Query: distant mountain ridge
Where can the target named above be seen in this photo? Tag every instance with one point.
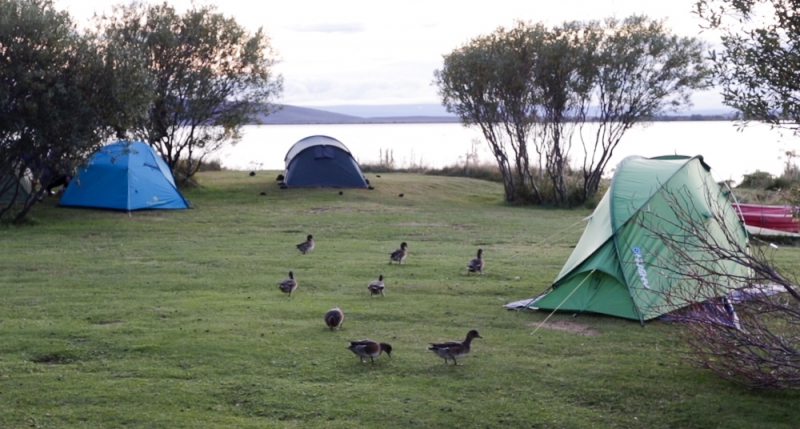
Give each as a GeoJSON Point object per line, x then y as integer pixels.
{"type": "Point", "coordinates": [418, 114]}
{"type": "Point", "coordinates": [304, 115]}
{"type": "Point", "coordinates": [389, 110]}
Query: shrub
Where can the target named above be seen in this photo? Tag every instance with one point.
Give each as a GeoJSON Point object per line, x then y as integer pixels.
{"type": "Point", "coordinates": [482, 172]}
{"type": "Point", "coordinates": [781, 182]}
{"type": "Point", "coordinates": [757, 180]}
{"type": "Point", "coordinates": [183, 165]}
{"type": "Point", "coordinates": [211, 165]}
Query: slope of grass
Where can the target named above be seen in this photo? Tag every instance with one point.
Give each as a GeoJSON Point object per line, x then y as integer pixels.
{"type": "Point", "coordinates": [174, 320]}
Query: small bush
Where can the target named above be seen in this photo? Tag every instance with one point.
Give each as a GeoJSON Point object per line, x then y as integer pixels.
{"type": "Point", "coordinates": [574, 182]}
{"type": "Point", "coordinates": [594, 200]}
{"type": "Point", "coordinates": [376, 168]}
{"type": "Point", "coordinates": [757, 180]}
{"type": "Point", "coordinates": [211, 165]}
{"type": "Point", "coordinates": [781, 182]}
{"type": "Point", "coordinates": [180, 170]}
{"type": "Point", "coordinates": [482, 172]}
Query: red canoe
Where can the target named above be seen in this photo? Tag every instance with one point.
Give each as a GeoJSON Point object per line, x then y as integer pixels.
{"type": "Point", "coordinates": [780, 218]}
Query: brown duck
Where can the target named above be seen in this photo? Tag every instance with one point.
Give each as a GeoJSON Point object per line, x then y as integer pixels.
{"type": "Point", "coordinates": [288, 285]}
{"type": "Point", "coordinates": [399, 254]}
{"type": "Point", "coordinates": [454, 349]}
{"type": "Point", "coordinates": [476, 265]}
{"type": "Point", "coordinates": [307, 245]}
{"type": "Point", "coordinates": [369, 349]}
{"type": "Point", "coordinates": [376, 287]}
{"type": "Point", "coordinates": [334, 318]}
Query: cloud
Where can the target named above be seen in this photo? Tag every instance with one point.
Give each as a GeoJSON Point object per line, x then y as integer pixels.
{"type": "Point", "coordinates": [331, 27]}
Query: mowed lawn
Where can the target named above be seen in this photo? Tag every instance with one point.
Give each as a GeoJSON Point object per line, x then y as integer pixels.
{"type": "Point", "coordinates": [173, 319]}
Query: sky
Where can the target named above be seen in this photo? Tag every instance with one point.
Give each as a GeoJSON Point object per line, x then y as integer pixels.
{"type": "Point", "coordinates": [353, 52]}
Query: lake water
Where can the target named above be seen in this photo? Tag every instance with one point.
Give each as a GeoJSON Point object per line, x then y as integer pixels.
{"type": "Point", "coordinates": [730, 153]}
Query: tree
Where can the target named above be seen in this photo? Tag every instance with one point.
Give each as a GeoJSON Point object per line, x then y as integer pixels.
{"type": "Point", "coordinates": [758, 66]}
{"type": "Point", "coordinates": [538, 86]}
{"type": "Point", "coordinates": [641, 71]}
{"type": "Point", "coordinates": [487, 82]}
{"type": "Point", "coordinates": [761, 348]}
{"type": "Point", "coordinates": [210, 77]}
{"type": "Point", "coordinates": [564, 76]}
{"type": "Point", "coordinates": [61, 96]}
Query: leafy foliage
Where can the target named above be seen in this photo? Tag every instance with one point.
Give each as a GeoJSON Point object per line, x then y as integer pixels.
{"type": "Point", "coordinates": [757, 67]}
{"type": "Point", "coordinates": [487, 82]}
{"type": "Point", "coordinates": [533, 86]}
{"type": "Point", "coordinates": [210, 77]}
{"type": "Point", "coordinates": [757, 180]}
{"type": "Point", "coordinates": [642, 71]}
{"type": "Point", "coordinates": [61, 95]}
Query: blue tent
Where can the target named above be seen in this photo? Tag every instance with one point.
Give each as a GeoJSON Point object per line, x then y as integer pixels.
{"type": "Point", "coordinates": [322, 161]}
{"type": "Point", "coordinates": [124, 176]}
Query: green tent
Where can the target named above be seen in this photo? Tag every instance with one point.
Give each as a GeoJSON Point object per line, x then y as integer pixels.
{"type": "Point", "coordinates": [619, 267]}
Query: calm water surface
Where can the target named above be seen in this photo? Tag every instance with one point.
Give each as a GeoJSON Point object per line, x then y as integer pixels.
{"type": "Point", "coordinates": [729, 152]}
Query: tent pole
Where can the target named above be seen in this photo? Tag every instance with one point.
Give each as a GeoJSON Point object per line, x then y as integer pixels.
{"type": "Point", "coordinates": [562, 302]}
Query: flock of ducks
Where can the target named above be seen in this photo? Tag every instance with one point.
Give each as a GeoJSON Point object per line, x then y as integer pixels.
{"type": "Point", "coordinates": [366, 348]}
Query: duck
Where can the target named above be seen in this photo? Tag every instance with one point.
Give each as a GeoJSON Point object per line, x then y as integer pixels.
{"type": "Point", "coordinates": [454, 349]}
{"type": "Point", "coordinates": [376, 287]}
{"type": "Point", "coordinates": [288, 285]}
{"type": "Point", "coordinates": [307, 245]}
{"type": "Point", "coordinates": [399, 254]}
{"type": "Point", "coordinates": [368, 348]}
{"type": "Point", "coordinates": [476, 264]}
{"type": "Point", "coordinates": [334, 318]}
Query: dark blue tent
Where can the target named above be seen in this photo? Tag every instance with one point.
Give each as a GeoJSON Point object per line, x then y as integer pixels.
{"type": "Point", "coordinates": [321, 161]}
{"type": "Point", "coordinates": [124, 176]}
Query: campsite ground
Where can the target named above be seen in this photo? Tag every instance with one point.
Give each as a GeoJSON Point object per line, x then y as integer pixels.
{"type": "Point", "coordinates": [173, 319]}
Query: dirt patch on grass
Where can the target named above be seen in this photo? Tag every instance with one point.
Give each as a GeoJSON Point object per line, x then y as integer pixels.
{"type": "Point", "coordinates": [569, 326]}
{"type": "Point", "coordinates": [53, 358]}
{"type": "Point", "coordinates": [460, 226]}
{"type": "Point", "coordinates": [107, 322]}
{"type": "Point", "coordinates": [456, 226]}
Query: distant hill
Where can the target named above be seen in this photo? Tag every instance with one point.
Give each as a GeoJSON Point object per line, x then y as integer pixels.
{"type": "Point", "coordinates": [420, 114]}
{"type": "Point", "coordinates": [389, 110]}
{"type": "Point", "coordinates": [303, 115]}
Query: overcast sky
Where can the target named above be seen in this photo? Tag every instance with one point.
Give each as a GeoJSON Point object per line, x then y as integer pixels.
{"type": "Point", "coordinates": [385, 52]}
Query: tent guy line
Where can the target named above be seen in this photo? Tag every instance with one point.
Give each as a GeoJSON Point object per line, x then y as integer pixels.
{"type": "Point", "coordinates": [559, 305]}
{"type": "Point", "coordinates": [547, 240]}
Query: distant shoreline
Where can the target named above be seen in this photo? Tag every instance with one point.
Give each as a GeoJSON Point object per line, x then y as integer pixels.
{"type": "Point", "coordinates": [435, 120]}
{"type": "Point", "coordinates": [295, 115]}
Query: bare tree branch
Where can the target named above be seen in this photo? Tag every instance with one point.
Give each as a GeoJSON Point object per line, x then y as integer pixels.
{"type": "Point", "coordinates": [764, 352]}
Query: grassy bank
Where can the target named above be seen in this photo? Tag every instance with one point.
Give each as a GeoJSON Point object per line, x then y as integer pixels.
{"type": "Point", "coordinates": [174, 320]}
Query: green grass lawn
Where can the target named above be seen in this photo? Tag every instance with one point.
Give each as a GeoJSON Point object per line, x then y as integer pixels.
{"type": "Point", "coordinates": [173, 319]}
